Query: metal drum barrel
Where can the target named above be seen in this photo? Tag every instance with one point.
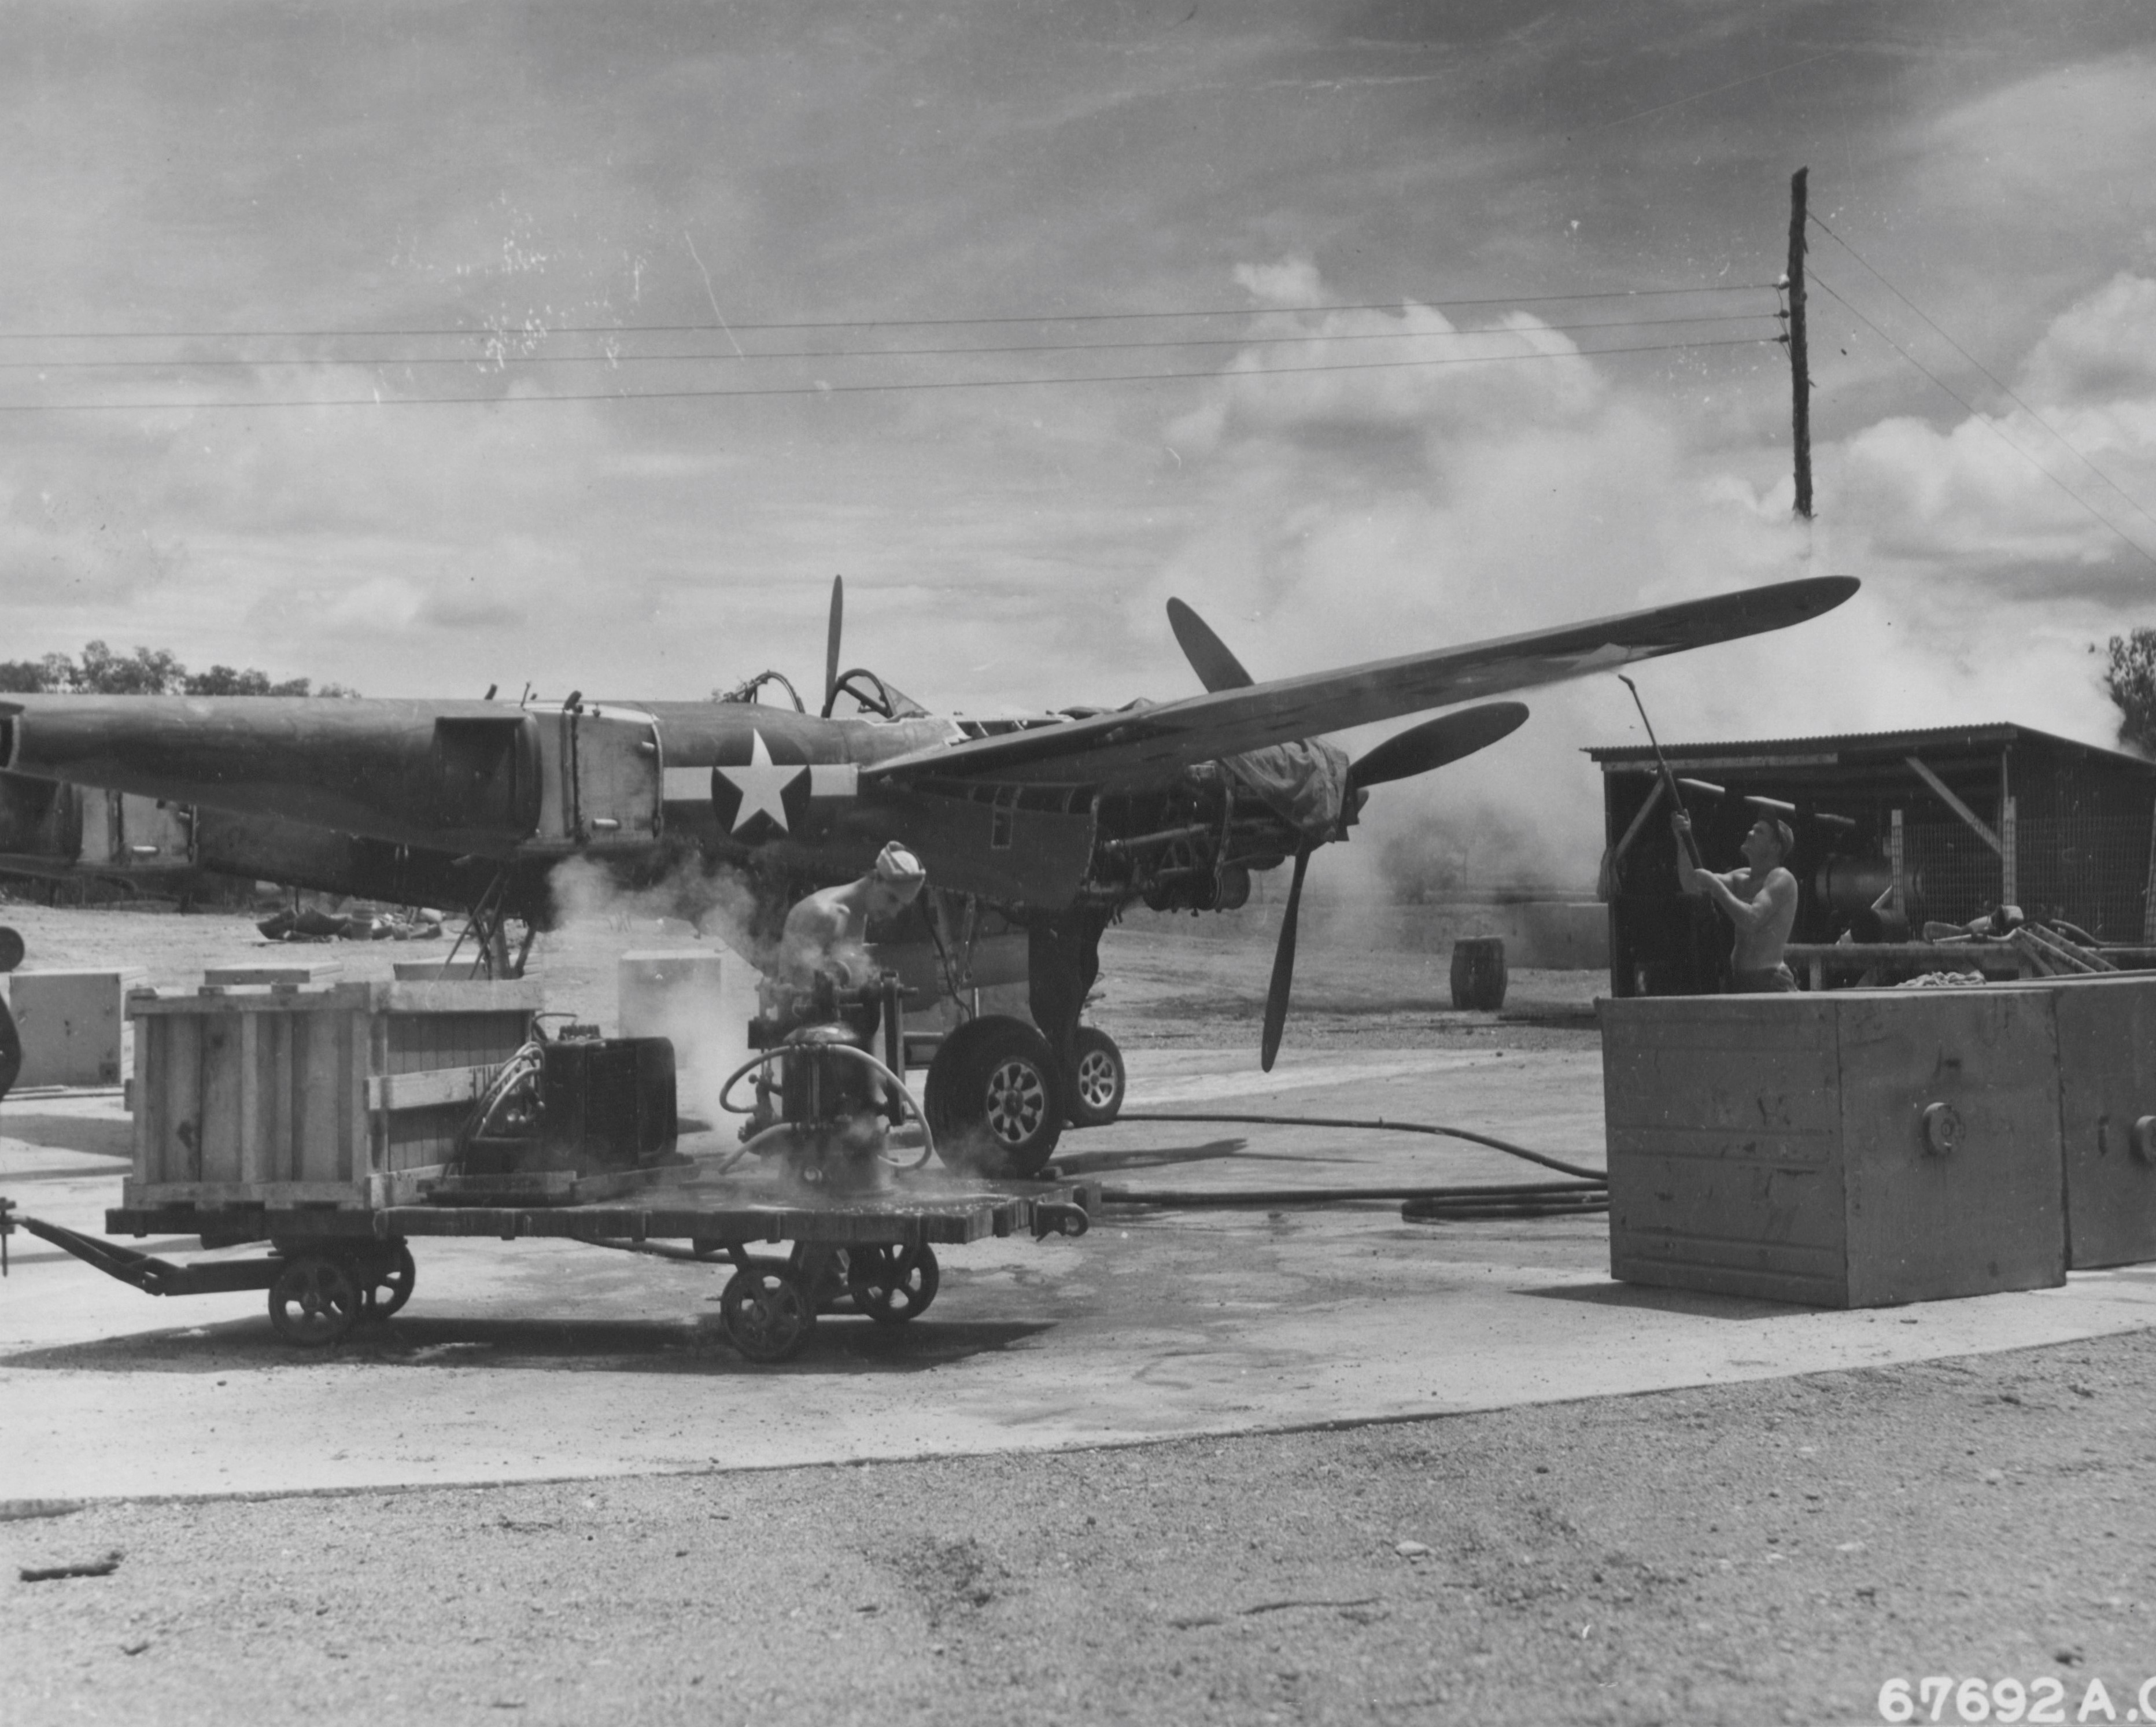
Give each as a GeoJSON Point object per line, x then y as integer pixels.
{"type": "Point", "coordinates": [1478, 973]}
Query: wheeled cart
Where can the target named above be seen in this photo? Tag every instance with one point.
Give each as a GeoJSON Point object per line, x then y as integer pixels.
{"type": "Point", "coordinates": [330, 1268]}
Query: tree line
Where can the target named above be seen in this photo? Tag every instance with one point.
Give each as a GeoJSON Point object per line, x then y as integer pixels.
{"type": "Point", "coordinates": [2130, 681]}
{"type": "Point", "coordinates": [146, 672]}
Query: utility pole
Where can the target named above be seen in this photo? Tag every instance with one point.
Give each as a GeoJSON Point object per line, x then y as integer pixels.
{"type": "Point", "coordinates": [1800, 383]}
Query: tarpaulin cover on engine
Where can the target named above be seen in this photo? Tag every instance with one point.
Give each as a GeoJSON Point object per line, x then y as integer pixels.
{"type": "Point", "coordinates": [1305, 782]}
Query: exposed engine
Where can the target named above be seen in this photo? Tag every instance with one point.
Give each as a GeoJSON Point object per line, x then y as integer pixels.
{"type": "Point", "coordinates": [1201, 840]}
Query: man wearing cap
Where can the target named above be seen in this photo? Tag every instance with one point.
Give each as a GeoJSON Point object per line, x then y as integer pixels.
{"type": "Point", "coordinates": [826, 933]}
{"type": "Point", "coordinates": [1760, 900]}
{"type": "Point", "coordinates": [826, 936]}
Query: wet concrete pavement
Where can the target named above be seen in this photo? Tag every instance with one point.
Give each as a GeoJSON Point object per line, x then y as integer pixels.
{"type": "Point", "coordinates": [537, 1360]}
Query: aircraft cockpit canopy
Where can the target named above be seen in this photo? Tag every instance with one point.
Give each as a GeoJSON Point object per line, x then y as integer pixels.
{"type": "Point", "coordinates": [872, 695]}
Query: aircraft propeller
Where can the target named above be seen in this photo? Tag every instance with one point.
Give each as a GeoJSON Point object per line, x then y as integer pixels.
{"type": "Point", "coordinates": [1210, 657]}
{"type": "Point", "coordinates": [1432, 744]}
{"type": "Point", "coordinates": [831, 645]}
{"type": "Point", "coordinates": [1417, 750]}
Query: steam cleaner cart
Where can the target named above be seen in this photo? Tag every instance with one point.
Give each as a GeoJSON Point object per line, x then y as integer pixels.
{"type": "Point", "coordinates": [338, 1125]}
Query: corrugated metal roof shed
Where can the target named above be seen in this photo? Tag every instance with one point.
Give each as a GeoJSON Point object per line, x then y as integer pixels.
{"type": "Point", "coordinates": [1957, 818]}
{"type": "Point", "coordinates": [1867, 745]}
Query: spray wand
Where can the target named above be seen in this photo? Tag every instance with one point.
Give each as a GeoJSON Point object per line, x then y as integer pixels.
{"type": "Point", "coordinates": [1669, 779]}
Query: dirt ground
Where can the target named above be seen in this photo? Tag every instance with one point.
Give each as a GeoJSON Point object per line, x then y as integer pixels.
{"type": "Point", "coordinates": [1773, 1551]}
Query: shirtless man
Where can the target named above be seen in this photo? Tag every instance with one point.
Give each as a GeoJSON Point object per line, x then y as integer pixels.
{"type": "Point", "coordinates": [826, 936]}
{"type": "Point", "coordinates": [826, 933]}
{"type": "Point", "coordinates": [1760, 899]}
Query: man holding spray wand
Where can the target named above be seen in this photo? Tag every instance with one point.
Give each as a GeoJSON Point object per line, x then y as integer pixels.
{"type": "Point", "coordinates": [1760, 900]}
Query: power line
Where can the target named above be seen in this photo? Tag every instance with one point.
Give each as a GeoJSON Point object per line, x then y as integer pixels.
{"type": "Point", "coordinates": [1235, 311]}
{"type": "Point", "coordinates": [1980, 420]}
{"type": "Point", "coordinates": [189, 364]}
{"type": "Point", "coordinates": [1996, 380]}
{"type": "Point", "coordinates": [850, 390]}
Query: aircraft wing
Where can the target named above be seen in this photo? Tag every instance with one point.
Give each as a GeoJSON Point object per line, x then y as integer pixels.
{"type": "Point", "coordinates": [1143, 744]}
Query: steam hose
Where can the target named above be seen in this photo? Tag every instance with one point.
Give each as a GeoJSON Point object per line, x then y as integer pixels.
{"type": "Point", "coordinates": [1589, 1192]}
{"type": "Point", "coordinates": [764, 1058]}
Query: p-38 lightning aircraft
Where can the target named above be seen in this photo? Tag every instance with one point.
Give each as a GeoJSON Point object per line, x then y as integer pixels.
{"type": "Point", "coordinates": [1056, 821]}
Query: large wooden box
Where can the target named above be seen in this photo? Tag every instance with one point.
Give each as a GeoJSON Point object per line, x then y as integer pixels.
{"type": "Point", "coordinates": [2106, 1091]}
{"type": "Point", "coordinates": [1856, 1148]}
{"type": "Point", "coordinates": [72, 1024]}
{"type": "Point", "coordinates": [348, 1095]}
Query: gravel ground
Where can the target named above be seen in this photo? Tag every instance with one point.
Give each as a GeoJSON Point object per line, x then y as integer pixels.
{"type": "Point", "coordinates": [1770, 1552]}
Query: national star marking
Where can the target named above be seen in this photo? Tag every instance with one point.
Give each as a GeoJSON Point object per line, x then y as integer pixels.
{"type": "Point", "coordinates": [762, 785]}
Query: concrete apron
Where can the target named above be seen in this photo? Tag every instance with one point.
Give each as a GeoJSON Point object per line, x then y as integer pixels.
{"type": "Point", "coordinates": [539, 1359]}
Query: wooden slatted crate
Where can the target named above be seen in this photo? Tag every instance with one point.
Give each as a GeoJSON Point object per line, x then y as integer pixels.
{"type": "Point", "coordinates": [349, 1096]}
{"type": "Point", "coordinates": [1857, 1148]}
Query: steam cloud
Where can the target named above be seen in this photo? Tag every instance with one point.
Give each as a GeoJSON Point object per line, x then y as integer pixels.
{"type": "Point", "coordinates": [1358, 514]}
{"type": "Point", "coordinates": [601, 920]}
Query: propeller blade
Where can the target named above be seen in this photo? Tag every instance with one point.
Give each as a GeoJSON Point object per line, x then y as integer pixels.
{"type": "Point", "coordinates": [1434, 743]}
{"type": "Point", "coordinates": [1283, 965]}
{"type": "Point", "coordinates": [831, 643]}
{"type": "Point", "coordinates": [1216, 668]}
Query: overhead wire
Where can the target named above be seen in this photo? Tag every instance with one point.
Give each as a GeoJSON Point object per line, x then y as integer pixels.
{"type": "Point", "coordinates": [192, 364]}
{"type": "Point", "coordinates": [825, 389]}
{"type": "Point", "coordinates": [1981, 418]}
{"type": "Point", "coordinates": [1236, 312]}
{"type": "Point", "coordinates": [1998, 382]}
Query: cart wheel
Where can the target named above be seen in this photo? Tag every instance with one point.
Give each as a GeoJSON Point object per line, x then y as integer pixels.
{"type": "Point", "coordinates": [820, 1273]}
{"type": "Point", "coordinates": [390, 1286]}
{"type": "Point", "coordinates": [892, 1285]}
{"type": "Point", "coordinates": [766, 1316]}
{"type": "Point", "coordinates": [313, 1302]}
{"type": "Point", "coordinates": [996, 1107]}
{"type": "Point", "coordinates": [1096, 1084]}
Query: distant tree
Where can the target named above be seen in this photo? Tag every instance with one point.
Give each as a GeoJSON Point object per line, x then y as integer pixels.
{"type": "Point", "coordinates": [2130, 681]}
{"type": "Point", "coordinates": [30, 677]}
{"type": "Point", "coordinates": [147, 672]}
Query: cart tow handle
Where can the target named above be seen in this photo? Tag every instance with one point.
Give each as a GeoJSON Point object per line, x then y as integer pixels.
{"type": "Point", "coordinates": [147, 1272]}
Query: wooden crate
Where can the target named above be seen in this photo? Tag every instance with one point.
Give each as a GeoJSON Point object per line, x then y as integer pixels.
{"type": "Point", "coordinates": [2107, 1089]}
{"type": "Point", "coordinates": [1856, 1148]}
{"type": "Point", "coordinates": [348, 1095]}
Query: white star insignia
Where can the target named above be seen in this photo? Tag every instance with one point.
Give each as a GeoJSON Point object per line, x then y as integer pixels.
{"type": "Point", "coordinates": [762, 784]}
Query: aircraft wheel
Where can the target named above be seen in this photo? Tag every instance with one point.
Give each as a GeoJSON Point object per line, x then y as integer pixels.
{"type": "Point", "coordinates": [892, 1285]}
{"type": "Point", "coordinates": [313, 1302]}
{"type": "Point", "coordinates": [388, 1286]}
{"type": "Point", "coordinates": [997, 1109]}
{"type": "Point", "coordinates": [1096, 1083]}
{"type": "Point", "coordinates": [767, 1313]}
{"type": "Point", "coordinates": [10, 949]}
{"type": "Point", "coordinates": [939, 1090]}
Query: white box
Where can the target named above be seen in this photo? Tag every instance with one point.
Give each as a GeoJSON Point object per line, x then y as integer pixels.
{"type": "Point", "coordinates": [73, 1024]}
{"type": "Point", "coordinates": [679, 993]}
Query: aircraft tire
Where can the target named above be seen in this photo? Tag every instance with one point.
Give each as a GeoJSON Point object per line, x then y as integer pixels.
{"type": "Point", "coordinates": [995, 1099]}
{"type": "Point", "coordinates": [1096, 1079]}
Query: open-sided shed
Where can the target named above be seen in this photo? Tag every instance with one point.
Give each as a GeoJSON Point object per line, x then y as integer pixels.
{"type": "Point", "coordinates": [1955, 819]}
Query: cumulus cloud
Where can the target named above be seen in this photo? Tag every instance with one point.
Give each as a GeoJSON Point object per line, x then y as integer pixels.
{"type": "Point", "coordinates": [1355, 515]}
{"type": "Point", "coordinates": [2014, 497]}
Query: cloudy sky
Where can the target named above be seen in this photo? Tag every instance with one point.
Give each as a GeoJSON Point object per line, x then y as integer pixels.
{"type": "Point", "coordinates": [423, 347]}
